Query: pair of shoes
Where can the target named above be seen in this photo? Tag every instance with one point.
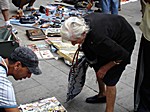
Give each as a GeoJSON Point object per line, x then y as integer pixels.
{"type": "Point", "coordinates": [30, 8]}
{"type": "Point", "coordinates": [96, 99]}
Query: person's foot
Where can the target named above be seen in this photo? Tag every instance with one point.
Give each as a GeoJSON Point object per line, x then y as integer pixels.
{"type": "Point", "coordinates": [14, 30]}
{"type": "Point", "coordinates": [30, 8]}
{"type": "Point", "coordinates": [138, 23]}
{"type": "Point", "coordinates": [20, 12]}
{"type": "Point", "coordinates": [96, 99]}
{"type": "Point", "coordinates": [119, 9]}
{"type": "Point", "coordinates": [98, 10]}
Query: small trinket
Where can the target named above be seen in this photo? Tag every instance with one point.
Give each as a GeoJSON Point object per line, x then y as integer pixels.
{"type": "Point", "coordinates": [47, 12]}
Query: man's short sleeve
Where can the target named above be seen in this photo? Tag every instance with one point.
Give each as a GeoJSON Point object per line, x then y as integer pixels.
{"type": "Point", "coordinates": [7, 96]}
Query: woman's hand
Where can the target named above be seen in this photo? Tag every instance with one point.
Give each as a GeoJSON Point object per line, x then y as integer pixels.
{"type": "Point", "coordinates": [104, 69]}
{"type": "Point", "coordinates": [101, 72]}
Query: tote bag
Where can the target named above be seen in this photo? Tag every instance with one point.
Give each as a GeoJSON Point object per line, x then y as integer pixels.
{"type": "Point", "coordinates": [77, 76]}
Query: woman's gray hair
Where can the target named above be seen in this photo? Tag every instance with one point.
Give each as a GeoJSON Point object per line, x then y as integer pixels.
{"type": "Point", "coordinates": [73, 27]}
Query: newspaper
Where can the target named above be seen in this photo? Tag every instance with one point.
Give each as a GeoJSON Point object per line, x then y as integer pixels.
{"type": "Point", "coordinates": [45, 105]}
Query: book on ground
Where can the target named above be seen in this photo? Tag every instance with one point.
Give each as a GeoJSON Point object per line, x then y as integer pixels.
{"type": "Point", "coordinates": [36, 34]}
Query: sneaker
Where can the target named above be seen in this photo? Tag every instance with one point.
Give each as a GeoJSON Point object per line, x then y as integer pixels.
{"type": "Point", "coordinates": [30, 8]}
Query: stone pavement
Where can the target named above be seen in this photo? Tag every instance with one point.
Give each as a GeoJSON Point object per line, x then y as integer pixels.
{"type": "Point", "coordinates": [53, 81]}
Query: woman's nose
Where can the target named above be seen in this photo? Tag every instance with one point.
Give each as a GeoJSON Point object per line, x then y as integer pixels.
{"type": "Point", "coordinates": [73, 43]}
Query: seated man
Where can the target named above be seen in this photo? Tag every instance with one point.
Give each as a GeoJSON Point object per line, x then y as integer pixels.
{"type": "Point", "coordinates": [21, 64]}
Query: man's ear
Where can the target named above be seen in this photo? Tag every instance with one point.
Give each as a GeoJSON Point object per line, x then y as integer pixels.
{"type": "Point", "coordinates": [17, 65]}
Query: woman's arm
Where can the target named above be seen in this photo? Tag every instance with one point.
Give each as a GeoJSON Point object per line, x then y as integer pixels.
{"type": "Point", "coordinates": [103, 70]}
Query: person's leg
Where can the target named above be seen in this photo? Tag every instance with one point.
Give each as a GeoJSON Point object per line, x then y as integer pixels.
{"type": "Point", "coordinates": [4, 5]}
{"type": "Point", "coordinates": [30, 5]}
{"type": "Point", "coordinates": [31, 2]}
{"type": "Point", "coordinates": [142, 10]}
{"type": "Point", "coordinates": [105, 6]}
{"type": "Point", "coordinates": [114, 6]}
{"type": "Point", "coordinates": [23, 2]}
{"type": "Point", "coordinates": [102, 88]}
{"type": "Point", "coordinates": [119, 5]}
{"type": "Point", "coordinates": [101, 96]}
{"type": "Point", "coordinates": [110, 98]}
{"type": "Point", "coordinates": [142, 7]}
{"type": "Point", "coordinates": [5, 14]}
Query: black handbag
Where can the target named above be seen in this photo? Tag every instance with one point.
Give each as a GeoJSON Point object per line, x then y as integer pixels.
{"type": "Point", "coordinates": [8, 41]}
{"type": "Point", "coordinates": [77, 76]}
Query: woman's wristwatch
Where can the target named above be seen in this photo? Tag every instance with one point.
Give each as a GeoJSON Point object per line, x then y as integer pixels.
{"type": "Point", "coordinates": [116, 63]}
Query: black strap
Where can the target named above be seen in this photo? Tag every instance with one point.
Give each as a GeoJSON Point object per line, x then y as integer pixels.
{"type": "Point", "coordinates": [3, 66]}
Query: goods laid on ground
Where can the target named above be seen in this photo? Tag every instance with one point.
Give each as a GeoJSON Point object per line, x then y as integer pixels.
{"type": "Point", "coordinates": [44, 105]}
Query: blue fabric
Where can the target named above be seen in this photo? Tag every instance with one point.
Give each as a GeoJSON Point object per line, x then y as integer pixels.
{"type": "Point", "coordinates": [11, 106]}
{"type": "Point", "coordinates": [110, 6]}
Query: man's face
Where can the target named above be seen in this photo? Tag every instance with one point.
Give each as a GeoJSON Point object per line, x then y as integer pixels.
{"type": "Point", "coordinates": [20, 72]}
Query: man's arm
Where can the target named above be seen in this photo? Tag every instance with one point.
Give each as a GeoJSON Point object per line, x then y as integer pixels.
{"type": "Point", "coordinates": [11, 110]}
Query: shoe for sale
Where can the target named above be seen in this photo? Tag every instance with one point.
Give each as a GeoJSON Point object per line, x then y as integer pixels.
{"type": "Point", "coordinates": [96, 99]}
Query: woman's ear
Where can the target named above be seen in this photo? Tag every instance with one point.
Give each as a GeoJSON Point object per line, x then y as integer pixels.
{"type": "Point", "coordinates": [84, 34]}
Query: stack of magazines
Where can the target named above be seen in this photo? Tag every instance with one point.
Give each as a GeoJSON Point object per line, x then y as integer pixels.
{"type": "Point", "coordinates": [45, 105]}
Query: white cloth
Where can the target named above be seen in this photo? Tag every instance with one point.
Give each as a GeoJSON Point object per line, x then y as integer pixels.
{"type": "Point", "coordinates": [4, 4]}
{"type": "Point", "coordinates": [145, 23]}
{"type": "Point", "coordinates": [7, 95]}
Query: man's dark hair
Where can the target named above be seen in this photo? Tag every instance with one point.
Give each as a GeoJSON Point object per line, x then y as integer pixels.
{"type": "Point", "coordinates": [13, 61]}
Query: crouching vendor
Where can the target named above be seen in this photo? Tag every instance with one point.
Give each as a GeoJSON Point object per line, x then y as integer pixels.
{"type": "Point", "coordinates": [20, 65]}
